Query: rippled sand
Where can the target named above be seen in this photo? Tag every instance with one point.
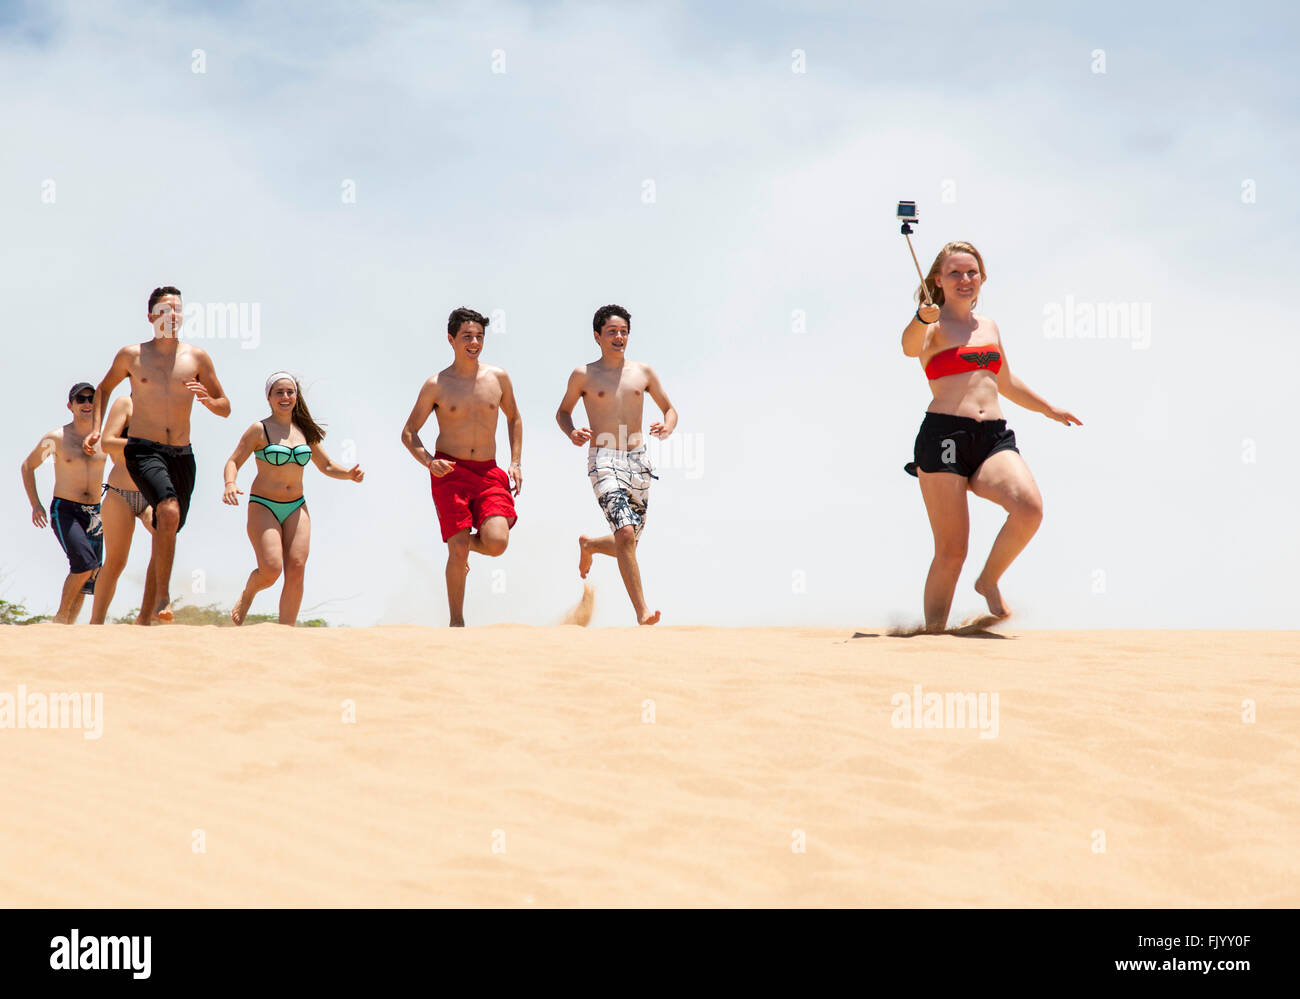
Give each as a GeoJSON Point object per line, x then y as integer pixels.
{"type": "Point", "coordinates": [518, 766]}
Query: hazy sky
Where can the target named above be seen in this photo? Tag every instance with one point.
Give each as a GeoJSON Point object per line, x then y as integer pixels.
{"type": "Point", "coordinates": [729, 174]}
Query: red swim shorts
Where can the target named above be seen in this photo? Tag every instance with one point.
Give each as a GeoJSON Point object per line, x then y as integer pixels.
{"type": "Point", "coordinates": [469, 494]}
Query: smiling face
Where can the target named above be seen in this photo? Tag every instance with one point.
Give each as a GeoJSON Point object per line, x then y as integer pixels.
{"type": "Point", "coordinates": [612, 336]}
{"type": "Point", "coordinates": [82, 405]}
{"type": "Point", "coordinates": [468, 341]}
{"type": "Point", "coordinates": [166, 317]}
{"type": "Point", "coordinates": [284, 394]}
{"type": "Point", "coordinates": [960, 278]}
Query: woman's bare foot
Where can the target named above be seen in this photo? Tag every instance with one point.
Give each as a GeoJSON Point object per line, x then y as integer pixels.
{"type": "Point", "coordinates": [990, 592]}
{"type": "Point", "coordinates": [241, 608]}
{"type": "Point", "coordinates": [650, 618]}
{"type": "Point", "coordinates": [584, 555]}
{"type": "Point", "coordinates": [980, 624]}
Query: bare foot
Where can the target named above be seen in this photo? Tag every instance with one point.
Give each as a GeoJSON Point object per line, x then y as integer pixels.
{"type": "Point", "coordinates": [584, 555]}
{"type": "Point", "coordinates": [989, 591]}
{"type": "Point", "coordinates": [979, 624]}
{"type": "Point", "coordinates": [457, 622]}
{"type": "Point", "coordinates": [240, 610]}
{"type": "Point", "coordinates": [650, 618]}
{"type": "Point", "coordinates": [143, 619]}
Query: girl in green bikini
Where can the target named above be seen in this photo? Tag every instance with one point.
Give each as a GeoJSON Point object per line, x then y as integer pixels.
{"type": "Point", "coordinates": [278, 524]}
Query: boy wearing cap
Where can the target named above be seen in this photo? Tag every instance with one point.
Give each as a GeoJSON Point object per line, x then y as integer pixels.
{"type": "Point", "coordinates": [166, 376]}
{"type": "Point", "coordinates": [74, 511]}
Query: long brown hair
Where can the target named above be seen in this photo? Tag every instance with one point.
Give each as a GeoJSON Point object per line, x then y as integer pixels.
{"type": "Point", "coordinates": [932, 285]}
{"type": "Point", "coordinates": [301, 416]}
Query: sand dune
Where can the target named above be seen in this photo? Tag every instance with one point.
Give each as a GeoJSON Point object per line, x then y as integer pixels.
{"type": "Point", "coordinates": [519, 766]}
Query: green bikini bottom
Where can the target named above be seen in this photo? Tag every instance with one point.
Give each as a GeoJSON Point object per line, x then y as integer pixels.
{"type": "Point", "coordinates": [281, 510]}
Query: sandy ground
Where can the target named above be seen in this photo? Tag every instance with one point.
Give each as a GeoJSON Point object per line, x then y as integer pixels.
{"type": "Point", "coordinates": [518, 766]}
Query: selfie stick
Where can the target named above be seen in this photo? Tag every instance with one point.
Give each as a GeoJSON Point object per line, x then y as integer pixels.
{"type": "Point", "coordinates": [906, 230]}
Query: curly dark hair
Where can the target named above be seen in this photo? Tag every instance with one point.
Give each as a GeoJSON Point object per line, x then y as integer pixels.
{"type": "Point", "coordinates": [464, 315]}
{"type": "Point", "coordinates": [158, 293]}
{"type": "Point", "coordinates": [605, 311]}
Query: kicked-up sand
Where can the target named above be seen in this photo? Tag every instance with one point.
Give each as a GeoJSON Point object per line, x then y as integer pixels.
{"type": "Point", "coordinates": [521, 766]}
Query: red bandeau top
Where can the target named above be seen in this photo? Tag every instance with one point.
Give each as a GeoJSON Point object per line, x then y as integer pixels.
{"type": "Point", "coordinates": [958, 360]}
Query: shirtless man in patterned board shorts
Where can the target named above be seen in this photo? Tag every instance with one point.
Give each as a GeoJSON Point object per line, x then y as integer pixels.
{"type": "Point", "coordinates": [613, 390]}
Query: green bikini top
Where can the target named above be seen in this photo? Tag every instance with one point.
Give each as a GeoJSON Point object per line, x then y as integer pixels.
{"type": "Point", "coordinates": [281, 454]}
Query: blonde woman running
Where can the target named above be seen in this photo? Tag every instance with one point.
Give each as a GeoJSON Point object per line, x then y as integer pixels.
{"type": "Point", "coordinates": [964, 443]}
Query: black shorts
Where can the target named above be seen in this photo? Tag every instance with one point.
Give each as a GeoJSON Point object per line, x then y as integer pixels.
{"type": "Point", "coordinates": [161, 471]}
{"type": "Point", "coordinates": [958, 444]}
{"type": "Point", "coordinates": [81, 536]}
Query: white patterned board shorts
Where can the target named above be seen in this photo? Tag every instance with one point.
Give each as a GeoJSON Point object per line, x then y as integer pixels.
{"type": "Point", "coordinates": [621, 481]}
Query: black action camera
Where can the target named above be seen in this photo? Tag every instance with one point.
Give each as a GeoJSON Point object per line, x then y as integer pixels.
{"type": "Point", "coordinates": [907, 215]}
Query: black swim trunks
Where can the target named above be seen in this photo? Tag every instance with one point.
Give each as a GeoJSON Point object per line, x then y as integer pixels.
{"type": "Point", "coordinates": [81, 536]}
{"type": "Point", "coordinates": [161, 471]}
{"type": "Point", "coordinates": [958, 444]}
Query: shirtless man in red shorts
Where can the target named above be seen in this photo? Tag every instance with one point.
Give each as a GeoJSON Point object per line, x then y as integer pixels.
{"type": "Point", "coordinates": [470, 491]}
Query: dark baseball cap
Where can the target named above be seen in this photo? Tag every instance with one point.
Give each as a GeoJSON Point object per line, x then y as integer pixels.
{"type": "Point", "coordinates": [78, 387]}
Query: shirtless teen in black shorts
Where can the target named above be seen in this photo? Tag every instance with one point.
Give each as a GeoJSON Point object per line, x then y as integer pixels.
{"type": "Point", "coordinates": [166, 377]}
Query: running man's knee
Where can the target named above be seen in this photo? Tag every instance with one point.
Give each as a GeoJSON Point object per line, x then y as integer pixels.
{"type": "Point", "coordinates": [494, 536]}
{"type": "Point", "coordinates": [458, 549]}
{"type": "Point", "coordinates": [625, 538]}
{"type": "Point", "coordinates": [168, 513]}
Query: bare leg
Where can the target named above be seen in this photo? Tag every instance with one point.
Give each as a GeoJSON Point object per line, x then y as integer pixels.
{"type": "Point", "coordinates": [151, 578]}
{"type": "Point", "coordinates": [1004, 478]}
{"type": "Point", "coordinates": [945, 503]}
{"type": "Point", "coordinates": [297, 542]}
{"type": "Point", "coordinates": [457, 567]}
{"type": "Point", "coordinates": [625, 552]}
{"type": "Point", "coordinates": [492, 537]}
{"type": "Point", "coordinates": [71, 598]}
{"type": "Point", "coordinates": [264, 533]}
{"type": "Point", "coordinates": [588, 547]}
{"type": "Point", "coordinates": [164, 552]}
{"type": "Point", "coordinates": [119, 527]}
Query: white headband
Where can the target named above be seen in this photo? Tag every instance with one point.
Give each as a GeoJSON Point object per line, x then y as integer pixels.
{"type": "Point", "coordinates": [276, 377]}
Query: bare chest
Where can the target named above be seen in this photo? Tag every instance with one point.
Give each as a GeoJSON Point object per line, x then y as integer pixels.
{"type": "Point", "coordinates": [163, 376]}
{"type": "Point", "coordinates": [620, 390]}
{"type": "Point", "coordinates": [459, 400]}
{"type": "Point", "coordinates": [70, 459]}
